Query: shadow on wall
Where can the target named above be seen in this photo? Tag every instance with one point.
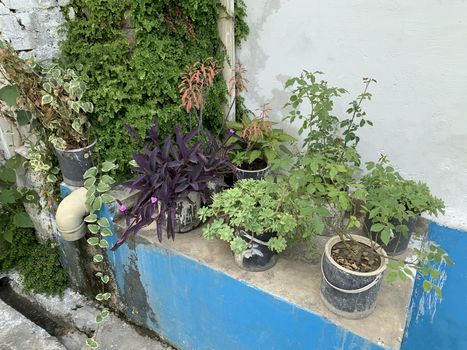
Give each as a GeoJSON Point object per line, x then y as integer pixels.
{"type": "Point", "coordinates": [435, 324]}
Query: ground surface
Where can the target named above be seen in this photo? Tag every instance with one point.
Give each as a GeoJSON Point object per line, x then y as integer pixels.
{"type": "Point", "coordinates": [75, 314]}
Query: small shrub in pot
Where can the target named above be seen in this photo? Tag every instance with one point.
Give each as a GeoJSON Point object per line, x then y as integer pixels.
{"type": "Point", "coordinates": [393, 205]}
{"type": "Point", "coordinates": [173, 176]}
{"type": "Point", "coordinates": [253, 218]}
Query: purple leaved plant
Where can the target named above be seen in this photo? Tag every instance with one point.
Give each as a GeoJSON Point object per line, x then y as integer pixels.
{"type": "Point", "coordinates": [167, 172]}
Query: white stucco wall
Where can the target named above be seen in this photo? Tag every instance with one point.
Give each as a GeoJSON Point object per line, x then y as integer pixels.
{"type": "Point", "coordinates": [416, 50]}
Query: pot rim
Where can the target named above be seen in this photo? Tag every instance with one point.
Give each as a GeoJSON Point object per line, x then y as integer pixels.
{"type": "Point", "coordinates": [253, 171]}
{"type": "Point", "coordinates": [76, 150]}
{"type": "Point", "coordinates": [336, 239]}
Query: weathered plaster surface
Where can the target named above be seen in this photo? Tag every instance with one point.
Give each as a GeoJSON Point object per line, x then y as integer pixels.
{"type": "Point", "coordinates": [32, 26]}
{"type": "Point", "coordinates": [414, 49]}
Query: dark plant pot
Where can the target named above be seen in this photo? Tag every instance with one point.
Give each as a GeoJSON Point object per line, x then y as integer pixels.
{"type": "Point", "coordinates": [349, 294]}
{"type": "Point", "coordinates": [257, 257]}
{"type": "Point", "coordinates": [260, 174]}
{"type": "Point", "coordinates": [186, 218]}
{"type": "Point", "coordinates": [74, 163]}
{"type": "Point", "coordinates": [399, 242]}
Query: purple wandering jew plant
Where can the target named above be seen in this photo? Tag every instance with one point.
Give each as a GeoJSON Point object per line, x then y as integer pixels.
{"type": "Point", "coordinates": [167, 172]}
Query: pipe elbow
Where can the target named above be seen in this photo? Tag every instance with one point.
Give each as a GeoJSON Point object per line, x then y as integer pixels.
{"type": "Point", "coordinates": [70, 215]}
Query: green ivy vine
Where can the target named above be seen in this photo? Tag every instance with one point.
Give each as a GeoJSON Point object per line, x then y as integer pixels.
{"type": "Point", "coordinates": [132, 54]}
{"type": "Point", "coordinates": [98, 183]}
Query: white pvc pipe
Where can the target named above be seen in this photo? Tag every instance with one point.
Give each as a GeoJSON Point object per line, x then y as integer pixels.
{"type": "Point", "coordinates": [70, 214]}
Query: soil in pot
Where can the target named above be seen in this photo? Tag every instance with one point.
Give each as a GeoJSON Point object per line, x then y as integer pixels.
{"type": "Point", "coordinates": [399, 242]}
{"type": "Point", "coordinates": [355, 256]}
{"type": "Point", "coordinates": [352, 276]}
{"type": "Point", "coordinates": [257, 257]}
{"type": "Point", "coordinates": [257, 170]}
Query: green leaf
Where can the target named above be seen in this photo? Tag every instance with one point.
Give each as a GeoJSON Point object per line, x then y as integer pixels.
{"type": "Point", "coordinates": [9, 196]}
{"type": "Point", "coordinates": [377, 227]}
{"type": "Point", "coordinates": [7, 175]}
{"type": "Point", "coordinates": [392, 276]}
{"type": "Point", "coordinates": [91, 218]}
{"type": "Point", "coordinates": [98, 258]}
{"type": "Point", "coordinates": [108, 166]}
{"type": "Point", "coordinates": [103, 187]}
{"type": "Point", "coordinates": [91, 172]}
{"type": "Point", "coordinates": [89, 182]}
{"type": "Point", "coordinates": [90, 342]}
{"type": "Point", "coordinates": [99, 318]}
{"type": "Point", "coordinates": [93, 228]}
{"type": "Point", "coordinates": [46, 99]}
{"type": "Point", "coordinates": [93, 241]}
{"type": "Point", "coordinates": [107, 179]}
{"type": "Point", "coordinates": [51, 178]}
{"type": "Point", "coordinates": [105, 279]}
{"type": "Point", "coordinates": [96, 204]}
{"type": "Point", "coordinates": [23, 117]}
{"type": "Point", "coordinates": [103, 244]}
{"type": "Point", "coordinates": [9, 94]}
{"type": "Point", "coordinates": [427, 286]}
{"type": "Point", "coordinates": [103, 222]}
{"type": "Point", "coordinates": [22, 219]}
{"type": "Point", "coordinates": [107, 198]}
{"type": "Point", "coordinates": [106, 232]}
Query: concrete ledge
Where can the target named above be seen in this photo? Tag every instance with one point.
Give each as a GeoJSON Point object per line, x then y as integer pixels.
{"type": "Point", "coordinates": [198, 272]}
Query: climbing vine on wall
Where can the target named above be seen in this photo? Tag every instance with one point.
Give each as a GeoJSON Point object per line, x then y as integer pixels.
{"type": "Point", "coordinates": [132, 54]}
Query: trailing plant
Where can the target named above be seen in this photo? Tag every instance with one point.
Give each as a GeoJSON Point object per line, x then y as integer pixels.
{"type": "Point", "coordinates": [256, 141]}
{"type": "Point", "coordinates": [241, 27]}
{"type": "Point", "coordinates": [250, 208]}
{"type": "Point", "coordinates": [133, 54]}
{"type": "Point", "coordinates": [98, 183]}
{"type": "Point", "coordinates": [53, 96]}
{"type": "Point", "coordinates": [166, 174]}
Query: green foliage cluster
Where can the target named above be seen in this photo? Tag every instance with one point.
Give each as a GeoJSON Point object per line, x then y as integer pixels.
{"type": "Point", "coordinates": [39, 264]}
{"type": "Point", "coordinates": [132, 55]}
{"type": "Point", "coordinates": [241, 27]}
{"type": "Point", "coordinates": [392, 200]}
{"type": "Point", "coordinates": [252, 207]}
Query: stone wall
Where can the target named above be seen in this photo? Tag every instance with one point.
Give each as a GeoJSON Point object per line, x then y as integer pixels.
{"type": "Point", "coordinates": [32, 26]}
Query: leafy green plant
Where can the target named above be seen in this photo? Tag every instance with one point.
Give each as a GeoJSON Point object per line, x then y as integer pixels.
{"type": "Point", "coordinates": [249, 209]}
{"type": "Point", "coordinates": [98, 183]}
{"type": "Point", "coordinates": [12, 212]}
{"type": "Point", "coordinates": [133, 54]}
{"type": "Point", "coordinates": [392, 201]}
{"type": "Point", "coordinates": [38, 264]}
{"type": "Point", "coordinates": [50, 94]}
{"type": "Point", "coordinates": [325, 132]}
{"type": "Point", "coordinates": [256, 141]}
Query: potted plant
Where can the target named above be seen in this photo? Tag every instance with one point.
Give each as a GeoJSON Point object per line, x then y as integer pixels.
{"type": "Point", "coordinates": [393, 206]}
{"type": "Point", "coordinates": [253, 218]}
{"type": "Point", "coordinates": [174, 178]}
{"type": "Point", "coordinates": [257, 144]}
{"type": "Point", "coordinates": [54, 97]}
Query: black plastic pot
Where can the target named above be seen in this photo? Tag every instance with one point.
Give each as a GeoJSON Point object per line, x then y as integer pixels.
{"type": "Point", "coordinates": [74, 163]}
{"type": "Point", "coordinates": [186, 217]}
{"type": "Point", "coordinates": [399, 242]}
{"type": "Point", "coordinates": [348, 293]}
{"type": "Point", "coordinates": [257, 257]}
{"type": "Point", "coordinates": [252, 174]}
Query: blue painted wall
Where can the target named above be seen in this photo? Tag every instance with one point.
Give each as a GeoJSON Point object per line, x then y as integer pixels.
{"type": "Point", "coordinates": [441, 324]}
{"type": "Point", "coordinates": [196, 307]}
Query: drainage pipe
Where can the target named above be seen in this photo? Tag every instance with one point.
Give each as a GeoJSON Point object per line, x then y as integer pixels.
{"type": "Point", "coordinates": [70, 214]}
